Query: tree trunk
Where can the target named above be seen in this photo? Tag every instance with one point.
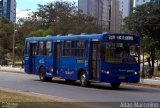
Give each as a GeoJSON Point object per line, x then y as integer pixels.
{"type": "Point", "coordinates": [152, 60]}
{"type": "Point", "coordinates": [149, 71]}
{"type": "Point", "coordinates": [143, 74]}
{"type": "Point", "coordinates": [148, 60]}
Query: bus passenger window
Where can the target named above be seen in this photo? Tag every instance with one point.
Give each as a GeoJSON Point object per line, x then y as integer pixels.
{"type": "Point", "coordinates": [69, 48]}
{"type": "Point", "coordinates": [81, 48]}
{"type": "Point", "coordinates": [106, 53]}
{"type": "Point", "coordinates": [48, 48]}
{"type": "Point", "coordinates": [41, 48]}
{"type": "Point", "coordinates": [27, 48]}
{"type": "Point", "coordinates": [34, 49]}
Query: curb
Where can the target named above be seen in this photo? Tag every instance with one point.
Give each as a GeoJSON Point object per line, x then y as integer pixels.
{"type": "Point", "coordinates": [12, 71]}
{"type": "Point", "coordinates": [21, 71]}
{"type": "Point", "coordinates": [143, 85]}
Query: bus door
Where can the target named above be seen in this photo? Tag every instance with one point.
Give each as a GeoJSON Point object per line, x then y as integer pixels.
{"type": "Point", "coordinates": [57, 57]}
{"type": "Point", "coordinates": [30, 62]}
{"type": "Point", "coordinates": [95, 60]}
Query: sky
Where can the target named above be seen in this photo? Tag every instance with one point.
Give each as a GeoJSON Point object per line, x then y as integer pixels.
{"type": "Point", "coordinates": [32, 4]}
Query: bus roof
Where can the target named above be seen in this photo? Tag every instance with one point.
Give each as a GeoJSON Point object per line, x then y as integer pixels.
{"type": "Point", "coordinates": [99, 37]}
{"type": "Point", "coordinates": [67, 37]}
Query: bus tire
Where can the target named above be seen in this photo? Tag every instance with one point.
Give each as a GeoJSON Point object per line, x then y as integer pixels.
{"type": "Point", "coordinates": [83, 80]}
{"type": "Point", "coordinates": [115, 84]}
{"type": "Point", "coordinates": [42, 76]}
{"type": "Point", "coordinates": [49, 79]}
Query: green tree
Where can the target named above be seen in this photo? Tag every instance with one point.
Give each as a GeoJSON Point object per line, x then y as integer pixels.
{"type": "Point", "coordinates": [6, 32]}
{"type": "Point", "coordinates": [145, 21]}
{"type": "Point", "coordinates": [41, 32]}
{"type": "Point", "coordinates": [54, 18]}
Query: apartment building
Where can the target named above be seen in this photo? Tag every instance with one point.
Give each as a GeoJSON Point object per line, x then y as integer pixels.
{"type": "Point", "coordinates": [8, 9]}
{"type": "Point", "coordinates": [116, 17]}
{"type": "Point", "coordinates": [1, 7]}
{"type": "Point", "coordinates": [126, 7]}
{"type": "Point", "coordinates": [106, 13]}
{"type": "Point", "coordinates": [140, 2]}
{"type": "Point", "coordinates": [92, 8]}
{"type": "Point", "coordinates": [156, 1]}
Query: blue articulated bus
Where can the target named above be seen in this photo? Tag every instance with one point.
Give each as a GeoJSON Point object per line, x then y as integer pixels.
{"type": "Point", "coordinates": [110, 58]}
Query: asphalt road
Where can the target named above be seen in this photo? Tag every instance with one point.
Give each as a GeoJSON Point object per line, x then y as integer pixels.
{"type": "Point", "coordinates": [95, 93]}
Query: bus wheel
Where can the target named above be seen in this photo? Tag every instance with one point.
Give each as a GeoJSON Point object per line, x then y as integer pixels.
{"type": "Point", "coordinates": [49, 79]}
{"type": "Point", "coordinates": [42, 74]}
{"type": "Point", "coordinates": [83, 80]}
{"type": "Point", "coordinates": [115, 85]}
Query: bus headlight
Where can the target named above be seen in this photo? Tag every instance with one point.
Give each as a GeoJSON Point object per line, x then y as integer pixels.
{"type": "Point", "coordinates": [106, 72]}
{"type": "Point", "coordinates": [51, 69]}
{"type": "Point", "coordinates": [135, 73]}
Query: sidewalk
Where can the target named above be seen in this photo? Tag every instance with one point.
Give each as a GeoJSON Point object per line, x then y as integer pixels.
{"type": "Point", "coordinates": [153, 81]}
{"type": "Point", "coordinates": [11, 69]}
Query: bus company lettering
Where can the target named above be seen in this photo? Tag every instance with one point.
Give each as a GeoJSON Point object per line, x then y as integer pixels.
{"type": "Point", "coordinates": [69, 72]}
{"type": "Point", "coordinates": [41, 61]}
{"type": "Point", "coordinates": [119, 37]}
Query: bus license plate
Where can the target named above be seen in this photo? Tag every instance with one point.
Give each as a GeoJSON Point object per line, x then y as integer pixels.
{"type": "Point", "coordinates": [121, 77]}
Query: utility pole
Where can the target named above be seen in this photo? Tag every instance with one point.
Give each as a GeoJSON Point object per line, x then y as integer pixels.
{"type": "Point", "coordinates": [14, 33]}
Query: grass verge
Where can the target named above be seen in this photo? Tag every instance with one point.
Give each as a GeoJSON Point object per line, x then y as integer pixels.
{"type": "Point", "coordinates": [18, 100]}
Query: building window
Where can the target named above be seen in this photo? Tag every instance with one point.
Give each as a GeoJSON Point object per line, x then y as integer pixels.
{"type": "Point", "coordinates": [144, 1]}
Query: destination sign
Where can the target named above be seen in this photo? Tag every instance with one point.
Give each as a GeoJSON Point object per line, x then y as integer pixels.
{"type": "Point", "coordinates": [120, 37]}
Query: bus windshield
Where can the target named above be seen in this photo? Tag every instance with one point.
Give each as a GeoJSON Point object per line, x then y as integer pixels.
{"type": "Point", "coordinates": [120, 53]}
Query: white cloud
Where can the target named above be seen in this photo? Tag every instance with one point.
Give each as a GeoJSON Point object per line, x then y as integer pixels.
{"type": "Point", "coordinates": [53, 0]}
{"type": "Point", "coordinates": [43, 0]}
{"type": "Point", "coordinates": [22, 14]}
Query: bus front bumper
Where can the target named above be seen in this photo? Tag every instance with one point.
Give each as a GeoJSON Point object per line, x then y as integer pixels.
{"type": "Point", "coordinates": [123, 78]}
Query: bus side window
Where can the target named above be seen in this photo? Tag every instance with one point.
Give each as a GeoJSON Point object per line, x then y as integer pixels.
{"type": "Point", "coordinates": [34, 52]}
{"type": "Point", "coordinates": [41, 48]}
{"type": "Point", "coordinates": [102, 50]}
{"type": "Point", "coordinates": [67, 45]}
{"type": "Point", "coordinates": [48, 48]}
{"type": "Point", "coordinates": [27, 48]}
{"type": "Point", "coordinates": [69, 48]}
{"type": "Point", "coordinates": [107, 53]}
{"type": "Point", "coordinates": [81, 48]}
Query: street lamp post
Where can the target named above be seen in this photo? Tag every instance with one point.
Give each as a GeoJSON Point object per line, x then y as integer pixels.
{"type": "Point", "coordinates": [14, 33]}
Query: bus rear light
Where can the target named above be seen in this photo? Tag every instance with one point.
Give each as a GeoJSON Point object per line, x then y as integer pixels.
{"type": "Point", "coordinates": [51, 69]}
{"type": "Point", "coordinates": [106, 72]}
